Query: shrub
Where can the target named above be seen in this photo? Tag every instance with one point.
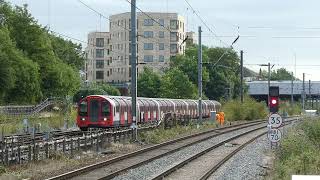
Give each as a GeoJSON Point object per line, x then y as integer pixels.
{"type": "Point", "coordinates": [248, 110]}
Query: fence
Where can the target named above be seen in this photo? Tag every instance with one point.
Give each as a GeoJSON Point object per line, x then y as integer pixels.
{"type": "Point", "coordinates": [15, 152]}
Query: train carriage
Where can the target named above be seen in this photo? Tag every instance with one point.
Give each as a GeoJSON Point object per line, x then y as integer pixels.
{"type": "Point", "coordinates": [113, 111]}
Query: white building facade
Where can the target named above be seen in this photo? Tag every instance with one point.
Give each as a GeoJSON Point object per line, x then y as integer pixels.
{"type": "Point", "coordinates": [159, 37]}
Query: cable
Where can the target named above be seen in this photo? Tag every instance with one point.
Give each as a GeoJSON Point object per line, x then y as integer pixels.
{"type": "Point", "coordinates": [201, 19]}
{"type": "Point", "coordinates": [161, 25]}
{"type": "Point", "coordinates": [101, 15]}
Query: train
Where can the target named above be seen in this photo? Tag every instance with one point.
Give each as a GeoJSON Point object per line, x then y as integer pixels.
{"type": "Point", "coordinates": [103, 111]}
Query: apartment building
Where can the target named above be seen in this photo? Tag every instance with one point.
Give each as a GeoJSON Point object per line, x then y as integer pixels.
{"type": "Point", "coordinates": [158, 38]}
{"type": "Point", "coordinates": [97, 57]}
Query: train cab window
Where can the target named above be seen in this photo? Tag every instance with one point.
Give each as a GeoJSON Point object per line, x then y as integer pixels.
{"type": "Point", "coordinates": [105, 109]}
{"type": "Point", "coordinates": [83, 108]}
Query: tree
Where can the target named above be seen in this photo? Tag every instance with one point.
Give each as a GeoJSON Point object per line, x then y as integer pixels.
{"type": "Point", "coordinates": [36, 63]}
{"type": "Point", "coordinates": [95, 89]}
{"type": "Point", "coordinates": [68, 52]}
{"type": "Point", "coordinates": [175, 84]}
{"type": "Point", "coordinates": [149, 84]}
{"type": "Point", "coordinates": [281, 75]}
{"type": "Point", "coordinates": [20, 76]}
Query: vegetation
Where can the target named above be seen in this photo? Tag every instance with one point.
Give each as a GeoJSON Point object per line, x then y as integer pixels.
{"type": "Point", "coordinates": [248, 110]}
{"type": "Point", "coordinates": [299, 151]}
{"type": "Point", "coordinates": [181, 78]}
{"type": "Point", "coordinates": [160, 134]}
{"type": "Point", "coordinates": [287, 108]}
{"type": "Point", "coordinates": [34, 63]}
{"type": "Point", "coordinates": [277, 75]}
{"type": "Point", "coordinates": [95, 89]}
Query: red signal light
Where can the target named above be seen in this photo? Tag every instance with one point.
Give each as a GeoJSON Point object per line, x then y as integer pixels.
{"type": "Point", "coordinates": [273, 101]}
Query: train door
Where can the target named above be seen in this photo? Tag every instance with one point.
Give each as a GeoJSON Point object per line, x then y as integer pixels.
{"type": "Point", "coordinates": [116, 120]}
{"type": "Point", "coordinates": [94, 110]}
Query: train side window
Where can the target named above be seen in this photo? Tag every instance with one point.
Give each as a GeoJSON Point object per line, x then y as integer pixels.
{"type": "Point", "coordinates": [83, 108]}
{"type": "Point", "coordinates": [105, 109]}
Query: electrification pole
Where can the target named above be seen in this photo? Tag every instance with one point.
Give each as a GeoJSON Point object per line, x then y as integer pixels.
{"type": "Point", "coordinates": [200, 75]}
{"type": "Point", "coordinates": [303, 92]}
{"type": "Point", "coordinates": [292, 89]}
{"type": "Point", "coordinates": [134, 68]}
{"type": "Point", "coordinates": [241, 76]}
{"type": "Point", "coordinates": [309, 98]}
{"type": "Point", "coordinates": [269, 76]}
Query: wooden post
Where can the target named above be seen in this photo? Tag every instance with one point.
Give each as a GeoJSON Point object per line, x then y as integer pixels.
{"type": "Point", "coordinates": [71, 147]}
{"type": "Point", "coordinates": [78, 140]}
{"type": "Point", "coordinates": [19, 154]}
{"type": "Point", "coordinates": [29, 153]}
{"type": "Point", "coordinates": [46, 147]}
{"type": "Point", "coordinates": [64, 145]}
{"type": "Point", "coordinates": [55, 146]}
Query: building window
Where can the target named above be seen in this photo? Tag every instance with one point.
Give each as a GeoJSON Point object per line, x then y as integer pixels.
{"type": "Point", "coordinates": [173, 36]}
{"type": "Point", "coordinates": [148, 22]}
{"type": "Point", "coordinates": [99, 63]}
{"type": "Point", "coordinates": [100, 42]}
{"type": "Point", "coordinates": [148, 34]}
{"type": "Point", "coordinates": [173, 48]}
{"type": "Point", "coordinates": [99, 74]}
{"type": "Point", "coordinates": [174, 24]}
{"type": "Point", "coordinates": [161, 22]}
{"type": "Point", "coordinates": [161, 46]}
{"type": "Point", "coordinates": [129, 23]}
{"type": "Point", "coordinates": [161, 58]}
{"type": "Point", "coordinates": [148, 58]}
{"type": "Point", "coordinates": [161, 34]}
{"type": "Point", "coordinates": [148, 46]}
{"type": "Point", "coordinates": [99, 53]}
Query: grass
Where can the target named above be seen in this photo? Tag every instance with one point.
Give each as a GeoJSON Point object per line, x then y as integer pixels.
{"type": "Point", "coordinates": [299, 151]}
{"type": "Point", "coordinates": [160, 135]}
{"type": "Point", "coordinates": [248, 110]}
{"type": "Point", "coordinates": [47, 121]}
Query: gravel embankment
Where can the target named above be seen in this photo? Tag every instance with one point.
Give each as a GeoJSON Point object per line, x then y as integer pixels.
{"type": "Point", "coordinates": [149, 170]}
{"type": "Point", "coordinates": [250, 163]}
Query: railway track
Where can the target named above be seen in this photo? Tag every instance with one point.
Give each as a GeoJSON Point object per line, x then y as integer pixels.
{"type": "Point", "coordinates": [111, 168]}
{"type": "Point", "coordinates": [196, 166]}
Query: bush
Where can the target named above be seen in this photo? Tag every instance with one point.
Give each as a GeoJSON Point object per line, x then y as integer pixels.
{"type": "Point", "coordinates": [299, 151]}
{"type": "Point", "coordinates": [248, 110]}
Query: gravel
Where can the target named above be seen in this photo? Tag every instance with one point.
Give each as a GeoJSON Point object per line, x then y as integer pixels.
{"type": "Point", "coordinates": [149, 170]}
{"type": "Point", "coordinates": [249, 163]}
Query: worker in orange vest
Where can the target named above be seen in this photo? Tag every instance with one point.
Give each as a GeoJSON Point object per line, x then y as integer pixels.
{"type": "Point", "coordinates": [218, 118]}
{"type": "Point", "coordinates": [221, 118]}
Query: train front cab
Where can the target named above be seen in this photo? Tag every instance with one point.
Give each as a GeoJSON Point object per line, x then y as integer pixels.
{"type": "Point", "coordinates": [94, 111]}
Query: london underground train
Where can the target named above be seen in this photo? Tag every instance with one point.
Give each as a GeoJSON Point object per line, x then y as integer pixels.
{"type": "Point", "coordinates": [100, 111]}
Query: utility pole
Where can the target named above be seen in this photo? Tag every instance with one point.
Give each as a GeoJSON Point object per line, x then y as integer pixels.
{"type": "Point", "coordinates": [292, 89]}
{"type": "Point", "coordinates": [200, 75]}
{"type": "Point", "coordinates": [303, 93]}
{"type": "Point", "coordinates": [241, 76]}
{"type": "Point", "coordinates": [269, 76]}
{"type": "Point", "coordinates": [134, 68]}
{"type": "Point", "coordinates": [309, 98]}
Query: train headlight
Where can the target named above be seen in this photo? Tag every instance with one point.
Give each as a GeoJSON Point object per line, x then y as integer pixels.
{"type": "Point", "coordinates": [83, 119]}
{"type": "Point", "coordinates": [105, 119]}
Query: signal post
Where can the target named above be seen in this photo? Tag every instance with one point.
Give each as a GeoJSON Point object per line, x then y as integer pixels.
{"type": "Point", "coordinates": [275, 120]}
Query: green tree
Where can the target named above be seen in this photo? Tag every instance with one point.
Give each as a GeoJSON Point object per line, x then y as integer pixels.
{"type": "Point", "coordinates": [20, 75]}
{"type": "Point", "coordinates": [149, 84]}
{"type": "Point", "coordinates": [37, 58]}
{"type": "Point", "coordinates": [68, 52]}
{"type": "Point", "coordinates": [281, 75]}
{"type": "Point", "coordinates": [95, 89]}
{"type": "Point", "coordinates": [175, 84]}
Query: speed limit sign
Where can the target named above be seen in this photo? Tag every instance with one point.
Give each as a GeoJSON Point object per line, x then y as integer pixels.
{"type": "Point", "coordinates": [275, 120]}
{"type": "Point", "coordinates": [274, 135]}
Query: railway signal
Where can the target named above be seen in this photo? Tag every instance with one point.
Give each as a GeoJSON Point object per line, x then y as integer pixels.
{"type": "Point", "coordinates": [274, 99]}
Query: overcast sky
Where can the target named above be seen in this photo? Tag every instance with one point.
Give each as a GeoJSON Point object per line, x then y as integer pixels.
{"type": "Point", "coordinates": [270, 30]}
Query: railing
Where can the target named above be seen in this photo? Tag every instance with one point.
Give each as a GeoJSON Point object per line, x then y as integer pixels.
{"type": "Point", "coordinates": [27, 110]}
